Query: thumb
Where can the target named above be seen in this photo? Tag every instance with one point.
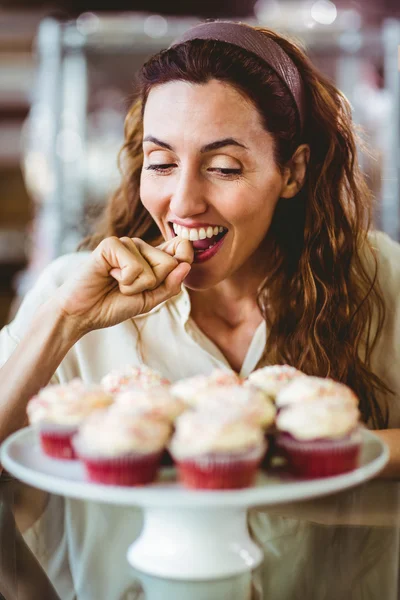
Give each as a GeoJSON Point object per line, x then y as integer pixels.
{"type": "Point", "coordinates": [172, 283]}
{"type": "Point", "coordinates": [179, 273]}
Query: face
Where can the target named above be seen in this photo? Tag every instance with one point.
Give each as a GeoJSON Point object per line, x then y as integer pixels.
{"type": "Point", "coordinates": [209, 175]}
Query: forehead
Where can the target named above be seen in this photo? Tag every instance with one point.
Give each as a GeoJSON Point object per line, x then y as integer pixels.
{"type": "Point", "coordinates": [201, 110]}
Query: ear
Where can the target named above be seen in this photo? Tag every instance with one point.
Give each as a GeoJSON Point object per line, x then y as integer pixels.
{"type": "Point", "coordinates": [294, 173]}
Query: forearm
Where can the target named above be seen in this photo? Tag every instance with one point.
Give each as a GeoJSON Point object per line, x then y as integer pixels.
{"type": "Point", "coordinates": [32, 364]}
{"type": "Point", "coordinates": [391, 437]}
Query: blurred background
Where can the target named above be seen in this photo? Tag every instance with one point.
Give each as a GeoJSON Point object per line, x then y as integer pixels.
{"type": "Point", "coordinates": [67, 77]}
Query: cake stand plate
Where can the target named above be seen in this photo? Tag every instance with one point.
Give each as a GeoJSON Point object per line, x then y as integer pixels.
{"type": "Point", "coordinates": [190, 535]}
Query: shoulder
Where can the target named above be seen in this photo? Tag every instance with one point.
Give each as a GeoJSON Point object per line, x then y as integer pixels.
{"type": "Point", "coordinates": [51, 278]}
{"type": "Point", "coordinates": [387, 254]}
{"type": "Point", "coordinates": [54, 274]}
{"type": "Point", "coordinates": [387, 250]}
{"type": "Point", "coordinates": [61, 268]}
{"type": "Point", "coordinates": [386, 354]}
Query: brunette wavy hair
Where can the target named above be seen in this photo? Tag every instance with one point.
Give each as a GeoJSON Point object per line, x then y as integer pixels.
{"type": "Point", "coordinates": [321, 300]}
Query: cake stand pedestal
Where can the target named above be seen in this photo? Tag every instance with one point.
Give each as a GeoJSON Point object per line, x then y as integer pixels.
{"type": "Point", "coordinates": [195, 543]}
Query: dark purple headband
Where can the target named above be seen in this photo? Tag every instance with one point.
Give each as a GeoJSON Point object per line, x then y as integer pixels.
{"type": "Point", "coordinates": [252, 40]}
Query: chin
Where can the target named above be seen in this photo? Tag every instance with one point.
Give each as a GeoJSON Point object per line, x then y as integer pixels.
{"type": "Point", "coordinates": [201, 281]}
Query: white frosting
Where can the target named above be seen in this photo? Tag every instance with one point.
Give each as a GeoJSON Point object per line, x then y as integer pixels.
{"type": "Point", "coordinates": [254, 405]}
{"type": "Point", "coordinates": [272, 379]}
{"type": "Point", "coordinates": [198, 432]}
{"type": "Point", "coordinates": [187, 389]}
{"type": "Point", "coordinates": [113, 432]}
{"type": "Point", "coordinates": [142, 377]}
{"type": "Point", "coordinates": [66, 404]}
{"type": "Point", "coordinates": [307, 389]}
{"type": "Point", "coordinates": [157, 402]}
{"type": "Point", "coordinates": [330, 417]}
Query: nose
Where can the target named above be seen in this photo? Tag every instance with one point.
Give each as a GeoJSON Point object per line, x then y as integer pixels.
{"type": "Point", "coordinates": [188, 198]}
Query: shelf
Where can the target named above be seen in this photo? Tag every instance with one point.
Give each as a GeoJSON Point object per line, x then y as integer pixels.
{"type": "Point", "coordinates": [12, 246]}
{"type": "Point", "coordinates": [10, 143]}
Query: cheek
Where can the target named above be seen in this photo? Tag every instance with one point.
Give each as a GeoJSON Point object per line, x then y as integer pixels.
{"type": "Point", "coordinates": [150, 196]}
{"type": "Point", "coordinates": [254, 210]}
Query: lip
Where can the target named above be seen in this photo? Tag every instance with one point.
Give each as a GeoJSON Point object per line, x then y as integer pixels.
{"type": "Point", "coordinates": [207, 254]}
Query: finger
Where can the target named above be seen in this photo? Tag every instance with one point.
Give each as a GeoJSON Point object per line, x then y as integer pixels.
{"type": "Point", "coordinates": [131, 306]}
{"type": "Point", "coordinates": [145, 280]}
{"type": "Point", "coordinates": [179, 248]}
{"type": "Point", "coordinates": [169, 288]}
{"type": "Point", "coordinates": [122, 263]}
{"type": "Point", "coordinates": [161, 262]}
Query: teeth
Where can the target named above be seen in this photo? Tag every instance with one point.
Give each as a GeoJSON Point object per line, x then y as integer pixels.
{"type": "Point", "coordinates": [193, 234]}
{"type": "Point", "coordinates": [210, 246]}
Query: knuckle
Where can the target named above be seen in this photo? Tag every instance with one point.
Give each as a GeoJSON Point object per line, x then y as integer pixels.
{"type": "Point", "coordinates": [112, 240]}
{"type": "Point", "coordinates": [150, 280]}
{"type": "Point", "coordinates": [125, 239]}
{"type": "Point", "coordinates": [108, 241]}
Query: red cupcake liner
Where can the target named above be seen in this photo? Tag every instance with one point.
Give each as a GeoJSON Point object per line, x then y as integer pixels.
{"type": "Point", "coordinates": [127, 470]}
{"type": "Point", "coordinates": [320, 458]}
{"type": "Point", "coordinates": [220, 471]}
{"type": "Point", "coordinates": [57, 441]}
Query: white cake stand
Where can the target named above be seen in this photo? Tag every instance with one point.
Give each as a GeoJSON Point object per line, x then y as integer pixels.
{"type": "Point", "coordinates": [188, 535]}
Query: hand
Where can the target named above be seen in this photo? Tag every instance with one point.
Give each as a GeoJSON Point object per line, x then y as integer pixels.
{"type": "Point", "coordinates": [123, 278]}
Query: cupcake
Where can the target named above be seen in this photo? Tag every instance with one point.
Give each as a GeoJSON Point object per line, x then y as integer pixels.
{"type": "Point", "coordinates": [157, 402]}
{"type": "Point", "coordinates": [320, 437]}
{"type": "Point", "coordinates": [272, 379]}
{"type": "Point", "coordinates": [58, 410]}
{"type": "Point", "coordinates": [120, 447]}
{"type": "Point", "coordinates": [306, 389]}
{"type": "Point", "coordinates": [141, 377]}
{"type": "Point", "coordinates": [216, 450]}
{"type": "Point", "coordinates": [254, 405]}
{"type": "Point", "coordinates": [187, 389]}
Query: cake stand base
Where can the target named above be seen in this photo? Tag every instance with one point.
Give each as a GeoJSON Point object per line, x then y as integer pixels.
{"type": "Point", "coordinates": [194, 544]}
{"type": "Point", "coordinates": [234, 588]}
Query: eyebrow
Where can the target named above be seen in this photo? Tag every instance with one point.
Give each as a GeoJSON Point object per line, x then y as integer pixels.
{"type": "Point", "coordinates": [207, 148]}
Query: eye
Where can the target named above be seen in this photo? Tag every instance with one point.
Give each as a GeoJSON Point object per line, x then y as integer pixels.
{"type": "Point", "coordinates": [159, 168]}
{"type": "Point", "coordinates": [163, 168]}
{"type": "Point", "coordinates": [226, 172]}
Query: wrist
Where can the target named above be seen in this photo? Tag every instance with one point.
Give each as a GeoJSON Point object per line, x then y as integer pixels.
{"type": "Point", "coordinates": [66, 328]}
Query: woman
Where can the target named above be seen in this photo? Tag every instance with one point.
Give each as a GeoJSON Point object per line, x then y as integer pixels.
{"type": "Point", "coordinates": [240, 179]}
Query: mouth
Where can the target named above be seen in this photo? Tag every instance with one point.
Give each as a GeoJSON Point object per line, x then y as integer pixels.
{"type": "Point", "coordinates": [206, 240]}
